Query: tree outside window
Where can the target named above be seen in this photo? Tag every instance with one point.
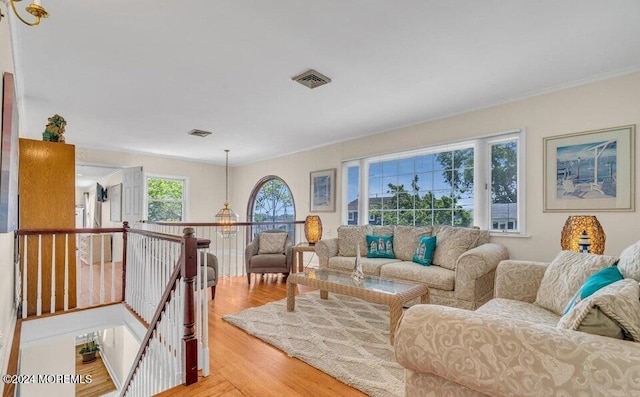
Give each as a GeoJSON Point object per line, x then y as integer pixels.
{"type": "Point", "coordinates": [273, 202]}
{"type": "Point", "coordinates": [165, 199]}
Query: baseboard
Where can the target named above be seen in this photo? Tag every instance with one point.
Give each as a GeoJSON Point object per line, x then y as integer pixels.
{"type": "Point", "coordinates": [116, 381]}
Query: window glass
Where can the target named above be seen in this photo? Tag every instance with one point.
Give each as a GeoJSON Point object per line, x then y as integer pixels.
{"type": "Point", "coordinates": [353, 188]}
{"type": "Point", "coordinates": [504, 185]}
{"type": "Point", "coordinates": [273, 202]}
{"type": "Point", "coordinates": [165, 199]}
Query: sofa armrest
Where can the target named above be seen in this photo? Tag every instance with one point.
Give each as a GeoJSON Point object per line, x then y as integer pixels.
{"type": "Point", "coordinates": [326, 249]}
{"type": "Point", "coordinates": [474, 271]}
{"type": "Point", "coordinates": [507, 357]}
{"type": "Point", "coordinates": [251, 250]}
{"type": "Point", "coordinates": [519, 280]}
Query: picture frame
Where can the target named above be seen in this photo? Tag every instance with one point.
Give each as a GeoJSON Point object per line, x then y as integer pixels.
{"type": "Point", "coordinates": [590, 171]}
{"type": "Point", "coordinates": [115, 202]}
{"type": "Point", "coordinates": [322, 191]}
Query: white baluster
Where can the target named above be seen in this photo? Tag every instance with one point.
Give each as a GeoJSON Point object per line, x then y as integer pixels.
{"type": "Point", "coordinates": [113, 274]}
{"type": "Point", "coordinates": [53, 273]}
{"type": "Point", "coordinates": [66, 272]}
{"type": "Point", "coordinates": [39, 293]}
{"type": "Point", "coordinates": [24, 279]}
{"type": "Point", "coordinates": [102, 281]}
{"type": "Point", "coordinates": [90, 259]}
{"type": "Point", "coordinates": [78, 275]}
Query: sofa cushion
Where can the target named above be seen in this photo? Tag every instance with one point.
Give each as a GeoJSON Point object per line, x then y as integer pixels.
{"type": "Point", "coordinates": [564, 276]}
{"type": "Point", "coordinates": [600, 279]}
{"type": "Point", "coordinates": [629, 263]}
{"type": "Point", "coordinates": [271, 243]}
{"type": "Point", "coordinates": [616, 304]}
{"type": "Point", "coordinates": [379, 246]}
{"type": "Point", "coordinates": [350, 236]}
{"type": "Point", "coordinates": [434, 276]}
{"type": "Point", "coordinates": [406, 238]}
{"type": "Point", "coordinates": [513, 309]}
{"type": "Point", "coordinates": [370, 266]}
{"type": "Point", "coordinates": [424, 252]}
{"type": "Point", "coordinates": [382, 230]}
{"type": "Point", "coordinates": [453, 242]}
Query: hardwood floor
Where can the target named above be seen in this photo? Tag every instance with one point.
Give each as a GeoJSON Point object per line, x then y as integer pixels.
{"type": "Point", "coordinates": [242, 365]}
{"type": "Point", "coordinates": [101, 382]}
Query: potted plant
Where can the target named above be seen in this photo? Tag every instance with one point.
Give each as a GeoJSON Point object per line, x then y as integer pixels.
{"type": "Point", "coordinates": [89, 349]}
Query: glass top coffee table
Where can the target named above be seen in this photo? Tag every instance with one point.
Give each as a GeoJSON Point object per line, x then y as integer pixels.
{"type": "Point", "coordinates": [372, 289]}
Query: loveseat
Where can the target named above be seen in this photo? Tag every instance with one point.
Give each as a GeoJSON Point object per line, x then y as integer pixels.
{"type": "Point", "coordinates": [461, 275]}
{"type": "Point", "coordinates": [513, 346]}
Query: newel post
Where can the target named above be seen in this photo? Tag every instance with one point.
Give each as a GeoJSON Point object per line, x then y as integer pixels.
{"type": "Point", "coordinates": [189, 270]}
{"type": "Point", "coordinates": [125, 230]}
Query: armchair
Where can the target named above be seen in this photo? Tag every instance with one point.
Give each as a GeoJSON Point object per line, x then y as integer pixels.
{"type": "Point", "coordinates": [269, 252]}
{"type": "Point", "coordinates": [209, 263]}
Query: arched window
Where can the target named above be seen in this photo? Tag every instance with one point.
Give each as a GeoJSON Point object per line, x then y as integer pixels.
{"type": "Point", "coordinates": [271, 201]}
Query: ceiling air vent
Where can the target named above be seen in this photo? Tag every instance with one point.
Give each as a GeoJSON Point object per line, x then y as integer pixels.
{"type": "Point", "coordinates": [199, 133]}
{"type": "Point", "coordinates": [311, 79]}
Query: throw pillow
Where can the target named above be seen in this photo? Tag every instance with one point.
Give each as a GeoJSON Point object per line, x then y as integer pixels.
{"type": "Point", "coordinates": [424, 252]}
{"type": "Point", "coordinates": [453, 242]}
{"type": "Point", "coordinates": [564, 276]}
{"type": "Point", "coordinates": [629, 264]}
{"type": "Point", "coordinates": [271, 243]}
{"type": "Point", "coordinates": [406, 239]}
{"type": "Point", "coordinates": [604, 277]}
{"type": "Point", "coordinates": [380, 246]}
{"type": "Point", "coordinates": [350, 236]}
{"type": "Point", "coordinates": [619, 302]}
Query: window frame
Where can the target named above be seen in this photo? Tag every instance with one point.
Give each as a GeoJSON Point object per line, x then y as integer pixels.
{"type": "Point", "coordinates": [185, 193]}
{"type": "Point", "coordinates": [481, 184]}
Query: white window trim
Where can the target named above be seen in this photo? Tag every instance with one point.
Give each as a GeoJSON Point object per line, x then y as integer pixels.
{"type": "Point", "coordinates": [185, 192]}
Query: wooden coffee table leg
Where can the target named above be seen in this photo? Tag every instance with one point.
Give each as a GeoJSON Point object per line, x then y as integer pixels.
{"type": "Point", "coordinates": [291, 295]}
{"type": "Point", "coordinates": [324, 294]}
{"type": "Point", "coordinates": [395, 312]}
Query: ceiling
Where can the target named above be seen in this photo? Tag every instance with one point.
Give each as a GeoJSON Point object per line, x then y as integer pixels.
{"type": "Point", "coordinates": [138, 75]}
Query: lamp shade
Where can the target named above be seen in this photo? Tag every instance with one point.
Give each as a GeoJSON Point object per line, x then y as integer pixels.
{"type": "Point", "coordinates": [573, 229]}
{"type": "Point", "coordinates": [313, 229]}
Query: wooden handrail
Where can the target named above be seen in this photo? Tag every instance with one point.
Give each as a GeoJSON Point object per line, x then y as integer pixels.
{"type": "Point", "coordinates": [225, 224]}
{"type": "Point", "coordinates": [29, 232]}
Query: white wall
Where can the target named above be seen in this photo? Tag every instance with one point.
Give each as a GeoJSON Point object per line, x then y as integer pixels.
{"type": "Point", "coordinates": [602, 104]}
{"type": "Point", "coordinates": [206, 181]}
{"type": "Point", "coordinates": [119, 348]}
{"type": "Point", "coordinates": [37, 360]}
{"type": "Point", "coordinates": [7, 312]}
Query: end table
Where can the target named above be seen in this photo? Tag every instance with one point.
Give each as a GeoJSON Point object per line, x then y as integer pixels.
{"type": "Point", "coordinates": [298, 255]}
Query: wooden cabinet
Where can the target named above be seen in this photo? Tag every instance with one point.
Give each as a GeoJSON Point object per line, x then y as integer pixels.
{"type": "Point", "coordinates": [91, 248]}
{"type": "Point", "coordinates": [47, 201]}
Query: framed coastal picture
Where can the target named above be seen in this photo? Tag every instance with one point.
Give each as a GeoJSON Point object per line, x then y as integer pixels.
{"type": "Point", "coordinates": [590, 171]}
{"type": "Point", "coordinates": [323, 191]}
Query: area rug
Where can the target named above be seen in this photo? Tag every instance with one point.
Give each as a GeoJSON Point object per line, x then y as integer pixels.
{"type": "Point", "coordinates": [342, 336]}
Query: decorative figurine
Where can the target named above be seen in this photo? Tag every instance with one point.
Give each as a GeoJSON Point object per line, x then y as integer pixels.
{"type": "Point", "coordinates": [584, 245]}
{"type": "Point", "coordinates": [54, 131]}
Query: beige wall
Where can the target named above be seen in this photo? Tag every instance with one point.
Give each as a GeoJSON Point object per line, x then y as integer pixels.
{"type": "Point", "coordinates": [37, 360]}
{"type": "Point", "coordinates": [206, 181]}
{"type": "Point", "coordinates": [601, 104]}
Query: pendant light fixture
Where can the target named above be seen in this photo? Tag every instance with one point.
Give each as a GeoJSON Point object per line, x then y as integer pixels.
{"type": "Point", "coordinates": [226, 216]}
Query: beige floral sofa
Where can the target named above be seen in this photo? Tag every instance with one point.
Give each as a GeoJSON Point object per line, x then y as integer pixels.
{"type": "Point", "coordinates": [464, 261]}
{"type": "Point", "coordinates": [517, 345]}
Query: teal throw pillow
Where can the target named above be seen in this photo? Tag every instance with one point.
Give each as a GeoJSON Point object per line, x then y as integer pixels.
{"type": "Point", "coordinates": [425, 250]}
{"type": "Point", "coordinates": [380, 246]}
{"type": "Point", "coordinates": [604, 277]}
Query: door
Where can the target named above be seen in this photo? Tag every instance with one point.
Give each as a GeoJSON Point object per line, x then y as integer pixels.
{"type": "Point", "coordinates": [133, 190]}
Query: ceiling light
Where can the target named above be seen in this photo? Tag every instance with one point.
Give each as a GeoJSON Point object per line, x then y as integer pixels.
{"type": "Point", "coordinates": [226, 216]}
{"type": "Point", "coordinates": [34, 9]}
{"type": "Point", "coordinates": [199, 133]}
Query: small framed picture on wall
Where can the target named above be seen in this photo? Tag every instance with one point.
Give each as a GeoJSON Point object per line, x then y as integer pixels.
{"type": "Point", "coordinates": [323, 191]}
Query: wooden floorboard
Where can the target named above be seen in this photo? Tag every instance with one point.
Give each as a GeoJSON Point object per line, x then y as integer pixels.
{"type": "Point", "coordinates": [242, 365]}
{"type": "Point", "coordinates": [101, 382]}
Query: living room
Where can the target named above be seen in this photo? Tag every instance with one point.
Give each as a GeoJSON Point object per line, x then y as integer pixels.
{"type": "Point", "coordinates": [606, 98]}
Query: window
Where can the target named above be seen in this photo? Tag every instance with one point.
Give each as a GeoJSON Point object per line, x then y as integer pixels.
{"type": "Point", "coordinates": [166, 199]}
{"type": "Point", "coordinates": [272, 201]}
{"type": "Point", "coordinates": [469, 183]}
